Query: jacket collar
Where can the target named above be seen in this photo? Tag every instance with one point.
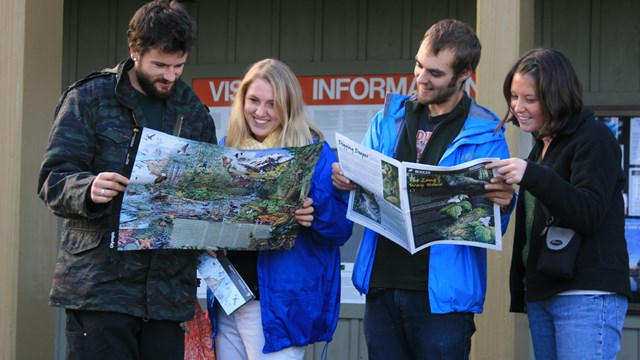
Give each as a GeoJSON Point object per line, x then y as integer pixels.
{"type": "Point", "coordinates": [571, 128]}
{"type": "Point", "coordinates": [124, 90]}
{"type": "Point", "coordinates": [576, 122]}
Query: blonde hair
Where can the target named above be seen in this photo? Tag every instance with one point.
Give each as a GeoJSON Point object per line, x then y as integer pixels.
{"type": "Point", "coordinates": [298, 129]}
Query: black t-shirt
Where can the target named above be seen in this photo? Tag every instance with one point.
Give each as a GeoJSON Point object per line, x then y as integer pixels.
{"type": "Point", "coordinates": [153, 109]}
{"type": "Point", "coordinates": [426, 125]}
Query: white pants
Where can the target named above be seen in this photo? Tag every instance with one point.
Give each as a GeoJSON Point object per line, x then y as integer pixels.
{"type": "Point", "coordinates": [240, 336]}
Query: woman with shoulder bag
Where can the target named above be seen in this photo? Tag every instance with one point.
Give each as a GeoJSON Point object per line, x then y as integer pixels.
{"type": "Point", "coordinates": [571, 184]}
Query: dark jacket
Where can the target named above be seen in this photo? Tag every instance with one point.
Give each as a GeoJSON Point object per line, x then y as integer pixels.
{"type": "Point", "coordinates": [580, 181]}
{"type": "Point", "coordinates": [91, 132]}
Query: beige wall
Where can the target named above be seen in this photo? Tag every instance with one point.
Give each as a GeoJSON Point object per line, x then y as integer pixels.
{"type": "Point", "coordinates": [505, 27]}
{"type": "Point", "coordinates": [30, 79]}
{"type": "Point", "coordinates": [11, 32]}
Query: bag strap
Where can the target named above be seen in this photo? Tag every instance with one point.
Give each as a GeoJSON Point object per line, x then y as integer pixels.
{"type": "Point", "coordinates": [550, 219]}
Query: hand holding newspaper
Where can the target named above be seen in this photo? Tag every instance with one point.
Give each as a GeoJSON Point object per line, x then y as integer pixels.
{"type": "Point", "coordinates": [417, 205]}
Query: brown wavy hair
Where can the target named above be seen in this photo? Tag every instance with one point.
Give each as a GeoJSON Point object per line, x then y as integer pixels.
{"type": "Point", "coordinates": [557, 84]}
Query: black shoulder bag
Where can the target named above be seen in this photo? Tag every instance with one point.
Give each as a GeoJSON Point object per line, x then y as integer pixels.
{"type": "Point", "coordinates": [559, 251]}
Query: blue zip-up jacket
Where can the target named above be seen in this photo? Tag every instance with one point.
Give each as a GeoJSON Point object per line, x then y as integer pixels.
{"type": "Point", "coordinates": [457, 273]}
{"type": "Point", "coordinates": [300, 288]}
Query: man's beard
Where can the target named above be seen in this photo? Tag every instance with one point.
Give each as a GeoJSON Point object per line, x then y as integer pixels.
{"type": "Point", "coordinates": [443, 94]}
{"type": "Point", "coordinates": [147, 85]}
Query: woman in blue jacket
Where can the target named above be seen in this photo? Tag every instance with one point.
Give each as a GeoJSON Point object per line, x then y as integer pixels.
{"type": "Point", "coordinates": [297, 291]}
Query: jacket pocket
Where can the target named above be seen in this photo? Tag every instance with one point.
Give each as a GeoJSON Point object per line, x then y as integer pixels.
{"type": "Point", "coordinates": [75, 242]}
{"type": "Point", "coordinates": [112, 146]}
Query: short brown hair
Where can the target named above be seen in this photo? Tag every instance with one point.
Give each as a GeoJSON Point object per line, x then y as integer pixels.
{"type": "Point", "coordinates": [458, 37]}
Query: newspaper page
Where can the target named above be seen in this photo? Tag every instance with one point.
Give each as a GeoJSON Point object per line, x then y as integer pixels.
{"type": "Point", "coordinates": [448, 205]}
{"type": "Point", "coordinates": [186, 194]}
{"type": "Point", "coordinates": [417, 205]}
{"type": "Point", "coordinates": [375, 204]}
{"type": "Point", "coordinates": [225, 282]}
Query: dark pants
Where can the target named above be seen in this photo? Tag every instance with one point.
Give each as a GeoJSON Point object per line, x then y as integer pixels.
{"type": "Point", "coordinates": [106, 335]}
{"type": "Point", "coordinates": [399, 325]}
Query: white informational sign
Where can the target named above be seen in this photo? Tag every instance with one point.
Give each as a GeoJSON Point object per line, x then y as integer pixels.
{"type": "Point", "coordinates": [339, 104]}
{"type": "Point", "coordinates": [634, 191]}
{"type": "Point", "coordinates": [634, 141]}
{"type": "Point", "coordinates": [348, 293]}
{"type": "Point", "coordinates": [633, 172]}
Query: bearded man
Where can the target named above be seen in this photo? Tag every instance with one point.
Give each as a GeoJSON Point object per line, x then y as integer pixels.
{"type": "Point", "coordinates": [121, 305]}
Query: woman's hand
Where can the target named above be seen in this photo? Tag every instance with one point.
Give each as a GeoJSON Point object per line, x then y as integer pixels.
{"type": "Point", "coordinates": [338, 179]}
{"type": "Point", "coordinates": [304, 213]}
{"type": "Point", "coordinates": [511, 169]}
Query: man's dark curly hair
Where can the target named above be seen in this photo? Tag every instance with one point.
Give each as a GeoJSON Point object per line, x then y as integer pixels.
{"type": "Point", "coordinates": [164, 25]}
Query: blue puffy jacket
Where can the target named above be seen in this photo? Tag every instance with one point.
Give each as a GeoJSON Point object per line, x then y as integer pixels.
{"type": "Point", "coordinates": [300, 288]}
{"type": "Point", "coordinates": [457, 273]}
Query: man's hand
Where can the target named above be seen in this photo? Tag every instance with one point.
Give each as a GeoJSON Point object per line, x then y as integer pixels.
{"type": "Point", "coordinates": [106, 186]}
{"type": "Point", "coordinates": [499, 192]}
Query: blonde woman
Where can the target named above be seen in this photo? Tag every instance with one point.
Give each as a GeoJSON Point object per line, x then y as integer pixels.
{"type": "Point", "coordinates": [297, 291]}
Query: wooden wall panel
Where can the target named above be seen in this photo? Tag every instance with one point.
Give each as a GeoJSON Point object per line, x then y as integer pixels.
{"type": "Point", "coordinates": [122, 11]}
{"type": "Point", "coordinates": [339, 32]}
{"type": "Point", "coordinates": [619, 37]}
{"type": "Point", "coordinates": [465, 10]}
{"type": "Point", "coordinates": [348, 339]}
{"type": "Point", "coordinates": [92, 36]}
{"type": "Point", "coordinates": [215, 32]}
{"type": "Point", "coordinates": [296, 31]}
{"type": "Point", "coordinates": [254, 33]}
{"type": "Point", "coordinates": [602, 40]}
{"type": "Point", "coordinates": [232, 34]}
{"type": "Point", "coordinates": [384, 24]}
{"type": "Point", "coordinates": [570, 31]}
{"type": "Point", "coordinates": [630, 339]}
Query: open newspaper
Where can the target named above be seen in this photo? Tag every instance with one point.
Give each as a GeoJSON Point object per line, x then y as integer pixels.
{"type": "Point", "coordinates": [187, 194]}
{"type": "Point", "coordinates": [417, 205]}
{"type": "Point", "coordinates": [225, 282]}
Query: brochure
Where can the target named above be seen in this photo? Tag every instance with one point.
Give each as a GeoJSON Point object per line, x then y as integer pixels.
{"type": "Point", "coordinates": [186, 194]}
{"type": "Point", "coordinates": [417, 205]}
{"type": "Point", "coordinates": [223, 279]}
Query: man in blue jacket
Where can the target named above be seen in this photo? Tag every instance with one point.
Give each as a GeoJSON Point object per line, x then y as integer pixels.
{"type": "Point", "coordinates": [422, 306]}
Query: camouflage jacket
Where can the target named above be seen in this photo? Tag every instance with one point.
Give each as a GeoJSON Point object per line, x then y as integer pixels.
{"type": "Point", "coordinates": [91, 131]}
